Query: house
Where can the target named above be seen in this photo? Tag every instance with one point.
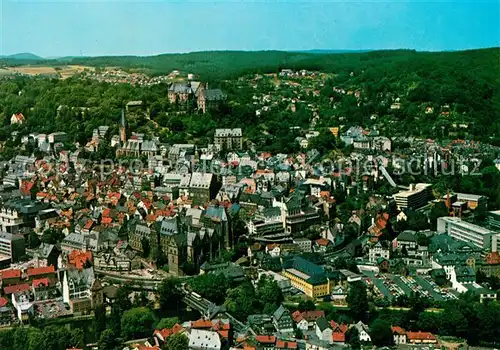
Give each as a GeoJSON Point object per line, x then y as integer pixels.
{"type": "Point", "coordinates": [323, 330]}
{"type": "Point", "coordinates": [379, 250]}
{"type": "Point", "coordinates": [273, 249]}
{"type": "Point", "coordinates": [363, 331]}
{"type": "Point", "coordinates": [265, 342]}
{"type": "Point", "coordinates": [10, 277]}
{"type": "Point", "coordinates": [420, 338]}
{"type": "Point", "coordinates": [17, 118]}
{"type": "Point", "coordinates": [283, 344]}
{"type": "Point", "coordinates": [6, 315]}
{"type": "Point", "coordinates": [200, 339]}
{"type": "Point", "coordinates": [399, 335]}
{"type": "Point", "coordinates": [229, 139]}
{"type": "Point", "coordinates": [307, 319]}
{"type": "Point", "coordinates": [282, 320]}
{"type": "Point", "coordinates": [339, 331]}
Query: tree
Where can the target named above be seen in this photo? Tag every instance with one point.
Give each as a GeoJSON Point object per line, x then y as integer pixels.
{"type": "Point", "coordinates": [168, 322]}
{"type": "Point", "coordinates": [269, 295]}
{"type": "Point", "coordinates": [352, 338]}
{"type": "Point", "coordinates": [381, 333]}
{"type": "Point", "coordinates": [358, 301]}
{"type": "Point", "coordinates": [137, 323]}
{"type": "Point", "coordinates": [241, 301]}
{"type": "Point", "coordinates": [33, 240]}
{"type": "Point", "coordinates": [306, 305]}
{"type": "Point", "coordinates": [211, 286]}
{"type": "Point", "coordinates": [176, 342]}
{"type": "Point", "coordinates": [170, 295]}
{"type": "Point", "coordinates": [99, 320]}
{"type": "Point", "coordinates": [107, 340]}
{"type": "Point", "coordinates": [77, 338]}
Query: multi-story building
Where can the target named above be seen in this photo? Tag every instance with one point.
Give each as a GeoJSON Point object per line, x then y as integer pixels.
{"type": "Point", "coordinates": [229, 139]}
{"type": "Point", "coordinates": [309, 278]}
{"type": "Point", "coordinates": [12, 246]}
{"type": "Point", "coordinates": [466, 232]}
{"type": "Point", "coordinates": [417, 196]}
{"type": "Point", "coordinates": [203, 187]}
{"type": "Point", "coordinates": [210, 98]}
{"type": "Point", "coordinates": [379, 250]}
{"type": "Point", "coordinates": [183, 92]}
{"type": "Point", "coordinates": [18, 213]}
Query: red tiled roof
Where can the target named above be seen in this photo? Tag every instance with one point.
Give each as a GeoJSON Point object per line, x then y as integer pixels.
{"type": "Point", "coordinates": [10, 274]}
{"type": "Point", "coordinates": [224, 334]}
{"type": "Point", "coordinates": [77, 258]}
{"type": "Point", "coordinates": [313, 315]}
{"type": "Point", "coordinates": [297, 316]}
{"type": "Point", "coordinates": [41, 271]}
{"type": "Point", "coordinates": [265, 339]}
{"type": "Point", "coordinates": [322, 242]}
{"type": "Point", "coordinates": [16, 288]}
{"type": "Point", "coordinates": [3, 301]}
{"type": "Point", "coordinates": [44, 282]}
{"type": "Point", "coordinates": [338, 337]}
{"type": "Point", "coordinates": [281, 344]}
{"type": "Point", "coordinates": [398, 330]}
{"type": "Point", "coordinates": [420, 336]}
{"type": "Point", "coordinates": [88, 225]}
{"type": "Point", "coordinates": [201, 324]}
{"type": "Point", "coordinates": [106, 221]}
{"type": "Point", "coordinates": [492, 258]}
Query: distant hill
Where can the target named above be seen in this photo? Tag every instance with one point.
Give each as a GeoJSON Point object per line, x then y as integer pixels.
{"type": "Point", "coordinates": [23, 56]}
{"type": "Point", "coordinates": [326, 51]}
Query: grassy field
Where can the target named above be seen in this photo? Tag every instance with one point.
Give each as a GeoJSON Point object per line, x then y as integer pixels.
{"type": "Point", "coordinates": [64, 71]}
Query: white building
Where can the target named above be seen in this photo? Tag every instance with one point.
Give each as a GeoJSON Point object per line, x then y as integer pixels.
{"type": "Point", "coordinates": [417, 196]}
{"type": "Point", "coordinates": [467, 232]}
{"type": "Point", "coordinates": [204, 340]}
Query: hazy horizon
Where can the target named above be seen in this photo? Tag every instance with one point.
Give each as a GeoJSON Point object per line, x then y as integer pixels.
{"type": "Point", "coordinates": [111, 28]}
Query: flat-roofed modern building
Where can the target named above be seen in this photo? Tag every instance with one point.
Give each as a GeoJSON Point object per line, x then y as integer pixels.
{"type": "Point", "coordinates": [466, 232]}
{"type": "Point", "coordinates": [12, 245]}
{"type": "Point", "coordinates": [417, 196]}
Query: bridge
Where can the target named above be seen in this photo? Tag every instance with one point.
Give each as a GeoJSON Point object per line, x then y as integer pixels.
{"type": "Point", "coordinates": [203, 306]}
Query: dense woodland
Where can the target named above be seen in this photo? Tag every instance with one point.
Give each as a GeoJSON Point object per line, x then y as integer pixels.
{"type": "Point", "coordinates": [468, 81]}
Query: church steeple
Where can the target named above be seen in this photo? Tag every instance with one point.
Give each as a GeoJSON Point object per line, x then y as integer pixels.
{"type": "Point", "coordinates": [123, 134]}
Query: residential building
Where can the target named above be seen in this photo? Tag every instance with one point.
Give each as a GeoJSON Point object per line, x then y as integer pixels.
{"type": "Point", "coordinates": [203, 187]}
{"type": "Point", "coordinates": [379, 250]}
{"type": "Point", "coordinates": [17, 118]}
{"type": "Point", "coordinates": [18, 213]}
{"type": "Point", "coordinates": [200, 339]}
{"type": "Point", "coordinates": [420, 338]}
{"type": "Point", "coordinates": [229, 139]}
{"type": "Point", "coordinates": [282, 320]}
{"type": "Point", "coordinates": [363, 331]}
{"type": "Point", "coordinates": [399, 335]}
{"type": "Point", "coordinates": [323, 330]}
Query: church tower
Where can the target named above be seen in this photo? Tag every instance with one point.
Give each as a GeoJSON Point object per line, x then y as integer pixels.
{"type": "Point", "coordinates": [123, 133]}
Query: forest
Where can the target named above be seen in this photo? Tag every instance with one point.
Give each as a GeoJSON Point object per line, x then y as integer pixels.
{"type": "Point", "coordinates": [467, 82]}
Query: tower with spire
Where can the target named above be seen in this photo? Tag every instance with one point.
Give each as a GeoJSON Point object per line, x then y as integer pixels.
{"type": "Point", "coordinates": [123, 133]}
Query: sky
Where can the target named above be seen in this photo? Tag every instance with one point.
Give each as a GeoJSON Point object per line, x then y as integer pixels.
{"type": "Point", "coordinates": [112, 27]}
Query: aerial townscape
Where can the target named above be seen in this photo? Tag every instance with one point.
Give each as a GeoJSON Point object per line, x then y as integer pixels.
{"type": "Point", "coordinates": [250, 200]}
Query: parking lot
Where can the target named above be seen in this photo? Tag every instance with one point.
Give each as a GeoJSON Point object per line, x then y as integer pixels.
{"type": "Point", "coordinates": [392, 286]}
